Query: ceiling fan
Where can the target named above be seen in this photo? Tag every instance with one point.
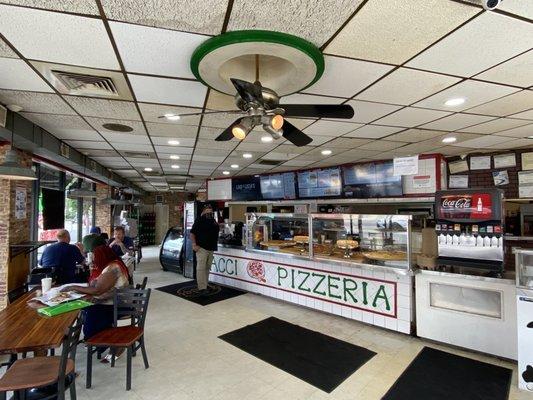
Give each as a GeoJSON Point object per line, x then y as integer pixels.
{"type": "Point", "coordinates": [260, 106]}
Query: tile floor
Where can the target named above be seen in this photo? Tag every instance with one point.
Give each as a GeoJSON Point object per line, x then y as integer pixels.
{"type": "Point", "coordinates": [188, 361]}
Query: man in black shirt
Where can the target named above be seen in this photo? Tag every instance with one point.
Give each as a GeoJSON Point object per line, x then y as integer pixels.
{"type": "Point", "coordinates": [204, 238]}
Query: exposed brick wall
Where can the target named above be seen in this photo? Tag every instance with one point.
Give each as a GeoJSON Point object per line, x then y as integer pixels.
{"type": "Point", "coordinates": [103, 211]}
{"type": "Point", "coordinates": [175, 203]}
{"type": "Point", "coordinates": [12, 230]}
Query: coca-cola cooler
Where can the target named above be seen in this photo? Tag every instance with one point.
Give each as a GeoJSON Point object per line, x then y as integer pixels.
{"type": "Point", "coordinates": [470, 228]}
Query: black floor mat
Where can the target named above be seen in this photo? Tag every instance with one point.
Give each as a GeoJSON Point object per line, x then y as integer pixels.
{"type": "Point", "coordinates": [437, 375]}
{"type": "Point", "coordinates": [189, 291]}
{"type": "Point", "coordinates": [320, 360]}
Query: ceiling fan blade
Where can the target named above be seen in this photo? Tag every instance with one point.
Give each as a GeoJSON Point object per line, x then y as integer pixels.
{"type": "Point", "coordinates": [294, 135]}
{"type": "Point", "coordinates": [249, 92]}
{"type": "Point", "coordinates": [344, 111]}
{"type": "Point", "coordinates": [227, 134]}
{"type": "Point", "coordinates": [204, 113]}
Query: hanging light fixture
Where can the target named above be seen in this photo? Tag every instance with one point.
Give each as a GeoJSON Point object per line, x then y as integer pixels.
{"type": "Point", "coordinates": [13, 169]}
{"type": "Point", "coordinates": [80, 193]}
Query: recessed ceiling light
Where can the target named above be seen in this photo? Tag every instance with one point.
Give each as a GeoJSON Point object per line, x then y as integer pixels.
{"type": "Point", "coordinates": [174, 157]}
{"type": "Point", "coordinates": [175, 166]}
{"type": "Point", "coordinates": [326, 152]}
{"type": "Point", "coordinates": [173, 142]}
{"type": "Point", "coordinates": [234, 165]}
{"type": "Point", "coordinates": [172, 117]}
{"type": "Point", "coordinates": [457, 101]}
{"type": "Point", "coordinates": [225, 172]}
{"type": "Point", "coordinates": [148, 169]}
{"type": "Point", "coordinates": [267, 139]}
{"type": "Point", "coordinates": [247, 155]}
{"type": "Point", "coordinates": [449, 139]}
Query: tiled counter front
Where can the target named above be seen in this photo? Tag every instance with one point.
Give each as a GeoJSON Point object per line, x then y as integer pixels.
{"type": "Point", "coordinates": [361, 293]}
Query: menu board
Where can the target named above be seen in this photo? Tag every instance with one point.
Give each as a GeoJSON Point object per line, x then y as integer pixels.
{"type": "Point", "coordinates": [278, 186]}
{"type": "Point", "coordinates": [246, 188]}
{"type": "Point", "coordinates": [371, 180]}
{"type": "Point", "coordinates": [319, 183]}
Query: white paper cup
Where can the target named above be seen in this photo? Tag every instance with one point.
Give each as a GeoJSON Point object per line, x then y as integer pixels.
{"type": "Point", "coordinates": [46, 284]}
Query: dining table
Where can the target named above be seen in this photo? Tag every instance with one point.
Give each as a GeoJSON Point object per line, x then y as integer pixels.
{"type": "Point", "coordinates": [23, 329]}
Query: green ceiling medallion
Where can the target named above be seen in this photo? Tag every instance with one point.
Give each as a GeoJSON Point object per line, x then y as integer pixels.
{"type": "Point", "coordinates": [287, 63]}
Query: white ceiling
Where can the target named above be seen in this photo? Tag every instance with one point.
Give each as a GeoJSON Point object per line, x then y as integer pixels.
{"type": "Point", "coordinates": [395, 61]}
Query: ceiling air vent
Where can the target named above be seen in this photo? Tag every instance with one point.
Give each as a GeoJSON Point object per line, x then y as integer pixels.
{"type": "Point", "coordinates": [270, 162]}
{"type": "Point", "coordinates": [89, 85]}
{"type": "Point", "coordinates": [139, 154]}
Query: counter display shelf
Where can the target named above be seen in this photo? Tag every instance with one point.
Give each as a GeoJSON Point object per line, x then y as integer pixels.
{"type": "Point", "coordinates": [342, 271]}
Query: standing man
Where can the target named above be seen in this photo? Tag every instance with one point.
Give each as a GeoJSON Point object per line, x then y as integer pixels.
{"type": "Point", "coordinates": [63, 256]}
{"type": "Point", "coordinates": [204, 238]}
{"type": "Point", "coordinates": [121, 244]}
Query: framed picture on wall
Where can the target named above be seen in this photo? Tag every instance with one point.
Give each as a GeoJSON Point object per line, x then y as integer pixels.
{"type": "Point", "coordinates": [507, 160]}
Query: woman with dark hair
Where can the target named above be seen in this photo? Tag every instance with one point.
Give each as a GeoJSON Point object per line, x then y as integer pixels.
{"type": "Point", "coordinates": [108, 273]}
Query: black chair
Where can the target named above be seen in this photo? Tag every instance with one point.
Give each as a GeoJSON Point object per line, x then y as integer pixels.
{"type": "Point", "coordinates": [130, 303]}
{"type": "Point", "coordinates": [43, 378]}
{"type": "Point", "coordinates": [142, 286]}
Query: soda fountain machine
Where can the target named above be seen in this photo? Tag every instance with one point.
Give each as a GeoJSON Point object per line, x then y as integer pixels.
{"type": "Point", "coordinates": [470, 228]}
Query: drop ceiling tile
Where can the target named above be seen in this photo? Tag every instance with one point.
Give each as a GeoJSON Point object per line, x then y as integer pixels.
{"type": "Point", "coordinates": [473, 92]}
{"type": "Point", "coordinates": [513, 144]}
{"type": "Point", "coordinates": [205, 145]}
{"type": "Point", "coordinates": [103, 108]}
{"type": "Point", "coordinates": [522, 8]}
{"type": "Point", "coordinates": [300, 98]}
{"type": "Point", "coordinates": [356, 75]}
{"type": "Point", "coordinates": [220, 120]}
{"type": "Point", "coordinates": [409, 117]}
{"type": "Point", "coordinates": [17, 75]}
{"type": "Point", "coordinates": [97, 123]}
{"type": "Point", "coordinates": [116, 137]}
{"type": "Point", "coordinates": [290, 148]}
{"type": "Point", "coordinates": [220, 101]}
{"type": "Point", "coordinates": [168, 91]}
{"type": "Point", "coordinates": [457, 121]}
{"type": "Point", "coordinates": [279, 156]}
{"type": "Point", "coordinates": [507, 105]}
{"type": "Point", "coordinates": [381, 145]}
{"type": "Point", "coordinates": [162, 141]}
{"type": "Point", "coordinates": [169, 52]}
{"type": "Point", "coordinates": [121, 146]}
{"type": "Point", "coordinates": [64, 126]}
{"type": "Point", "coordinates": [308, 19]}
{"type": "Point", "coordinates": [453, 151]}
{"type": "Point", "coordinates": [485, 141]}
{"type": "Point", "coordinates": [209, 133]}
{"type": "Point", "coordinates": [256, 147]}
{"type": "Point", "coordinates": [203, 17]}
{"type": "Point", "coordinates": [345, 143]}
{"type": "Point", "coordinates": [496, 125]}
{"type": "Point", "coordinates": [171, 130]}
{"type": "Point", "coordinates": [406, 86]}
{"type": "Point", "coordinates": [73, 6]}
{"type": "Point", "coordinates": [179, 150]}
{"type": "Point", "coordinates": [297, 163]}
{"type": "Point", "coordinates": [165, 158]}
{"type": "Point", "coordinates": [416, 148]}
{"type": "Point", "coordinates": [517, 71]}
{"type": "Point", "coordinates": [56, 37]}
{"type": "Point", "coordinates": [152, 112]}
{"type": "Point", "coordinates": [45, 103]}
{"type": "Point", "coordinates": [414, 135]}
{"type": "Point", "coordinates": [365, 111]}
{"type": "Point", "coordinates": [317, 139]}
{"type": "Point", "coordinates": [300, 123]}
{"type": "Point", "coordinates": [88, 144]}
{"type": "Point", "coordinates": [383, 29]}
{"type": "Point", "coordinates": [5, 50]}
{"type": "Point", "coordinates": [331, 128]}
{"type": "Point", "coordinates": [520, 132]}
{"type": "Point", "coordinates": [373, 131]}
{"type": "Point", "coordinates": [524, 115]}
{"type": "Point", "coordinates": [485, 41]}
{"type": "Point", "coordinates": [198, 160]}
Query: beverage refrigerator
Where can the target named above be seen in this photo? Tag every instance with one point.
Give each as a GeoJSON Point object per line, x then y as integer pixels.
{"type": "Point", "coordinates": [469, 225]}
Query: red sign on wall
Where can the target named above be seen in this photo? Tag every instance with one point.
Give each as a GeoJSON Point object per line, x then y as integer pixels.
{"type": "Point", "coordinates": [466, 206]}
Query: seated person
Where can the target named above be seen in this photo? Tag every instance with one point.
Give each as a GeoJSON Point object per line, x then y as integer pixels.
{"type": "Point", "coordinates": [121, 244]}
{"type": "Point", "coordinates": [64, 257]}
{"type": "Point", "coordinates": [93, 239]}
{"type": "Point", "coordinates": [108, 273]}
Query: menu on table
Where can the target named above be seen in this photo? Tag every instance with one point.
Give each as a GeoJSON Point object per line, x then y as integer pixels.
{"type": "Point", "coordinates": [319, 183]}
{"type": "Point", "coordinates": [278, 186]}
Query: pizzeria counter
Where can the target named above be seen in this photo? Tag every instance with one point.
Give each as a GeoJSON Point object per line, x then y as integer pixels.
{"type": "Point", "coordinates": [353, 265]}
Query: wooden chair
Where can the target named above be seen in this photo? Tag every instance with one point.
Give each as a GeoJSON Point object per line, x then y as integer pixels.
{"type": "Point", "coordinates": [131, 303]}
{"type": "Point", "coordinates": [45, 377]}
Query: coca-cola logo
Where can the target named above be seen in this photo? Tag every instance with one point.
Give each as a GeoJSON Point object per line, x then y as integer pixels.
{"type": "Point", "coordinates": [457, 203]}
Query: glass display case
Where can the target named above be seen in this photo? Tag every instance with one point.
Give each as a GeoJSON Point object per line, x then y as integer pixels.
{"type": "Point", "coordinates": [354, 238]}
{"type": "Point", "coordinates": [283, 233]}
{"type": "Point", "coordinates": [524, 268]}
{"type": "Point", "coordinates": [369, 239]}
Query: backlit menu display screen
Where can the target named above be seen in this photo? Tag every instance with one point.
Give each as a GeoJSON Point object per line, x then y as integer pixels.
{"type": "Point", "coordinates": [371, 180]}
{"type": "Point", "coordinates": [319, 183]}
{"type": "Point", "coordinates": [278, 186]}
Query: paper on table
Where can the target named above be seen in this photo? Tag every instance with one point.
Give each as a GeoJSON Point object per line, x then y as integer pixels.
{"type": "Point", "coordinates": [51, 298]}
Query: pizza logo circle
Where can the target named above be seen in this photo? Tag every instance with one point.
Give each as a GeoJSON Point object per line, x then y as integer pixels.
{"type": "Point", "coordinates": [256, 270]}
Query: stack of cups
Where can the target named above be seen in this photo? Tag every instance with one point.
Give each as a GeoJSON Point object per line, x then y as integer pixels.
{"type": "Point", "coordinates": [46, 284]}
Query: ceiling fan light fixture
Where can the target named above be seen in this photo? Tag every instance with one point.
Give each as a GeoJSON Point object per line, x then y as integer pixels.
{"type": "Point", "coordinates": [275, 134]}
{"type": "Point", "coordinates": [276, 122]}
{"type": "Point", "coordinates": [242, 129]}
